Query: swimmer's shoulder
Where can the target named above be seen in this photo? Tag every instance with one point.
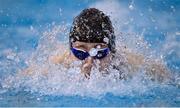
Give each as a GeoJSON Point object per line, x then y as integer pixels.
{"type": "Point", "coordinates": [59, 58]}
{"type": "Point", "coordinates": [134, 61]}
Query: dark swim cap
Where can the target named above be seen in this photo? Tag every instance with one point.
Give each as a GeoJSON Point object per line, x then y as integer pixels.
{"type": "Point", "coordinates": [93, 26]}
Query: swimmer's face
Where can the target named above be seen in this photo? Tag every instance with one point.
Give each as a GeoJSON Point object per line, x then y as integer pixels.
{"type": "Point", "coordinates": [89, 62]}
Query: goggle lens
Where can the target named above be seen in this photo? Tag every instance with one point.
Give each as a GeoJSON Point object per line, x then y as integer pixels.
{"type": "Point", "coordinates": [81, 54]}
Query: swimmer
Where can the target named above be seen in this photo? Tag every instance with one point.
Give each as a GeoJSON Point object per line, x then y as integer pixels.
{"type": "Point", "coordinates": [92, 39]}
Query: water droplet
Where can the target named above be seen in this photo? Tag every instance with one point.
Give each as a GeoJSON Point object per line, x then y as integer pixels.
{"type": "Point", "coordinates": [103, 25]}
{"type": "Point", "coordinates": [1, 11]}
{"type": "Point", "coordinates": [155, 27]}
{"type": "Point", "coordinates": [31, 28]}
{"type": "Point", "coordinates": [38, 99]}
{"type": "Point", "coordinates": [53, 23]}
{"type": "Point", "coordinates": [152, 19]}
{"type": "Point", "coordinates": [106, 40]}
{"type": "Point", "coordinates": [172, 7]}
{"type": "Point", "coordinates": [150, 9]}
{"type": "Point", "coordinates": [60, 11]}
{"type": "Point", "coordinates": [161, 57]}
{"type": "Point", "coordinates": [178, 33]}
{"type": "Point", "coordinates": [72, 40]}
{"type": "Point", "coordinates": [131, 7]}
{"type": "Point", "coordinates": [141, 14]}
{"type": "Point", "coordinates": [131, 19]}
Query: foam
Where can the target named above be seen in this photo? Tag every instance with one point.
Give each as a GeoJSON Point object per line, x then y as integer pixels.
{"type": "Point", "coordinates": [55, 79]}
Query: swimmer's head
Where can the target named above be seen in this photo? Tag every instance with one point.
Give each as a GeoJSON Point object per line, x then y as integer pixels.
{"type": "Point", "coordinates": [93, 26]}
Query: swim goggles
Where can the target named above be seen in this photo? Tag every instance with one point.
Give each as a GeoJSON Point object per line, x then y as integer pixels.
{"type": "Point", "coordinates": [94, 52]}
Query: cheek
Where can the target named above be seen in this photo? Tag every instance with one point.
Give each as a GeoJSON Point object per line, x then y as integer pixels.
{"type": "Point", "coordinates": [105, 61]}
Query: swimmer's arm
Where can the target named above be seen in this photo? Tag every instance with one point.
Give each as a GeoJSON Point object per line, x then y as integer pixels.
{"type": "Point", "coordinates": [26, 72]}
{"type": "Point", "coordinates": [156, 70]}
{"type": "Point", "coordinates": [64, 59]}
{"type": "Point", "coordinates": [135, 60]}
{"type": "Point", "coordinates": [58, 59]}
{"type": "Point", "coordinates": [31, 70]}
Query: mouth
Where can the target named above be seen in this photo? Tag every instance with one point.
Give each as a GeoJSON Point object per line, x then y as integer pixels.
{"type": "Point", "coordinates": [86, 69]}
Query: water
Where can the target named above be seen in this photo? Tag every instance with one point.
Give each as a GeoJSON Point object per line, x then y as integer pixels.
{"type": "Point", "coordinates": [32, 31]}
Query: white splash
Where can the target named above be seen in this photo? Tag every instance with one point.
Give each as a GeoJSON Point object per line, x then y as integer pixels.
{"type": "Point", "coordinates": [55, 79]}
{"type": "Point", "coordinates": [131, 7]}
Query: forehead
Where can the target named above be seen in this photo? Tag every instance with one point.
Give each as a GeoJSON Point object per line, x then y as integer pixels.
{"type": "Point", "coordinates": [88, 44]}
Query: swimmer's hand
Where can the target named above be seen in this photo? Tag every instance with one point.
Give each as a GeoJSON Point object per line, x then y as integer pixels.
{"type": "Point", "coordinates": [155, 70]}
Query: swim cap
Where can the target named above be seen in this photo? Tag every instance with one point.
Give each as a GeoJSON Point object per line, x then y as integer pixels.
{"type": "Point", "coordinates": [93, 26]}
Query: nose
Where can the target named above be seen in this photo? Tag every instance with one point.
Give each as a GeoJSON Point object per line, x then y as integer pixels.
{"type": "Point", "coordinates": [87, 65]}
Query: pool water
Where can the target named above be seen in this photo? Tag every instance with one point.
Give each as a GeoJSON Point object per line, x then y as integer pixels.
{"type": "Point", "coordinates": [155, 97]}
{"type": "Point", "coordinates": [31, 31]}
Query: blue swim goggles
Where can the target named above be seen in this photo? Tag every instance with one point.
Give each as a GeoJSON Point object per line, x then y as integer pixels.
{"type": "Point", "coordinates": [94, 52]}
